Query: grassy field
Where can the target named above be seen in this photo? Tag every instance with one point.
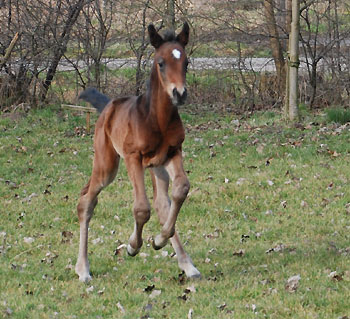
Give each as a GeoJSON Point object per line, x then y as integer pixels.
{"type": "Point", "coordinates": [269, 202]}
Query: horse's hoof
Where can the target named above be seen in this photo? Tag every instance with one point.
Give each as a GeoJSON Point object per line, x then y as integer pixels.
{"type": "Point", "coordinates": [196, 276]}
{"type": "Point", "coordinates": [191, 271]}
{"type": "Point", "coordinates": [156, 245]}
{"type": "Point", "coordinates": [85, 278]}
{"type": "Point", "coordinates": [132, 251]}
{"type": "Point", "coordinates": [82, 270]}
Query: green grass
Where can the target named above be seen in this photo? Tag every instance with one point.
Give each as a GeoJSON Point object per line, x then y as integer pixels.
{"type": "Point", "coordinates": [255, 184]}
{"type": "Point", "coordinates": [338, 115]}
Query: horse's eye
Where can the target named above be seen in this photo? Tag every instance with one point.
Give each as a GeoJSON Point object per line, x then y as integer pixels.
{"type": "Point", "coordinates": [161, 64]}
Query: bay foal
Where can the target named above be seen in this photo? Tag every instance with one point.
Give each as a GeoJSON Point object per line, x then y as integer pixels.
{"type": "Point", "coordinates": [147, 132]}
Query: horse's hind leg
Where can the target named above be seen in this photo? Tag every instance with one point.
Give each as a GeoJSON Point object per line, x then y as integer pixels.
{"type": "Point", "coordinates": [160, 180]}
{"type": "Point", "coordinates": [104, 170]}
{"type": "Point", "coordinates": [180, 188]}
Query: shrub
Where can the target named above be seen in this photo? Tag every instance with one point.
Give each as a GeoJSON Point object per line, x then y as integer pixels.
{"type": "Point", "coordinates": [338, 115]}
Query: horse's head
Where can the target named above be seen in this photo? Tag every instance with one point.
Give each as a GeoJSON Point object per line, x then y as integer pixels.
{"type": "Point", "coordinates": [170, 62]}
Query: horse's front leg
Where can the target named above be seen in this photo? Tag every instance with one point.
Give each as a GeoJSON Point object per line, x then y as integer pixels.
{"type": "Point", "coordinates": [180, 189]}
{"type": "Point", "coordinates": [141, 208]}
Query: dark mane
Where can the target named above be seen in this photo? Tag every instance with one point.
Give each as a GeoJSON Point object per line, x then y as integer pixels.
{"type": "Point", "coordinates": [169, 36]}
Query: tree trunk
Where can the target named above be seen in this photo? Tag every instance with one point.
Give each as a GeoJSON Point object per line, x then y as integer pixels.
{"type": "Point", "coordinates": [275, 44]}
{"type": "Point", "coordinates": [61, 46]}
{"type": "Point", "coordinates": [8, 51]}
{"type": "Point", "coordinates": [170, 23]}
{"type": "Point", "coordinates": [294, 62]}
{"type": "Point", "coordinates": [337, 36]}
{"type": "Point", "coordinates": [288, 26]}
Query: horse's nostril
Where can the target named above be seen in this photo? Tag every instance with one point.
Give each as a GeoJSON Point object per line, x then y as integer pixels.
{"type": "Point", "coordinates": [178, 98]}
{"type": "Point", "coordinates": [175, 93]}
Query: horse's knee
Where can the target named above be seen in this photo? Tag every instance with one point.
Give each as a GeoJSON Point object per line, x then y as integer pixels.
{"type": "Point", "coordinates": [142, 212]}
{"type": "Point", "coordinates": [181, 188]}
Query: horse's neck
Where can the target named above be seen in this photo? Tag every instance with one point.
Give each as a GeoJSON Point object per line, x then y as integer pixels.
{"type": "Point", "coordinates": [161, 107]}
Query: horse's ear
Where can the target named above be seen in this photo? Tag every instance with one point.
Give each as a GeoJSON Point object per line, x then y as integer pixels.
{"type": "Point", "coordinates": [154, 37]}
{"type": "Point", "coordinates": [183, 36]}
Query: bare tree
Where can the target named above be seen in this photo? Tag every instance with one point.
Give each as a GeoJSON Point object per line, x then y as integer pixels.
{"type": "Point", "coordinates": [61, 41]}
{"type": "Point", "coordinates": [45, 29]}
{"type": "Point", "coordinates": [293, 64]}
{"type": "Point", "coordinates": [321, 41]}
{"type": "Point", "coordinates": [92, 37]}
{"type": "Point", "coordinates": [275, 43]}
{"type": "Point", "coordinates": [8, 51]}
{"type": "Point", "coordinates": [170, 14]}
{"type": "Point", "coordinates": [135, 19]}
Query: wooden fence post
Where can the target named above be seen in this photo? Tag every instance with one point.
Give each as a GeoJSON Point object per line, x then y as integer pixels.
{"type": "Point", "coordinates": [87, 110]}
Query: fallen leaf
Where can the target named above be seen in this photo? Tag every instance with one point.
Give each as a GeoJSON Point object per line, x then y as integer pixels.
{"type": "Point", "coordinates": [155, 293]}
{"type": "Point", "coordinates": [119, 249]}
{"type": "Point", "coordinates": [304, 204]}
{"type": "Point", "coordinates": [190, 289]}
{"type": "Point", "coordinates": [325, 202]}
{"type": "Point", "coordinates": [12, 185]}
{"type": "Point", "coordinates": [97, 241]}
{"type": "Point", "coordinates": [293, 283]}
{"type": "Point", "coordinates": [181, 278]}
{"type": "Point", "coordinates": [66, 236]}
{"type": "Point", "coordinates": [222, 306]}
{"type": "Point", "coordinates": [46, 192]}
{"type": "Point", "coordinates": [244, 238]}
{"type": "Point", "coordinates": [297, 143]}
{"type": "Point", "coordinates": [260, 149]}
{"type": "Point", "coordinates": [49, 258]}
{"type": "Point", "coordinates": [330, 186]}
{"type": "Point", "coordinates": [333, 153]}
{"type": "Point", "coordinates": [120, 307]}
{"type": "Point", "coordinates": [8, 311]}
{"type": "Point", "coordinates": [101, 292]}
{"type": "Point", "coordinates": [278, 248]}
{"type": "Point", "coordinates": [194, 191]}
{"type": "Point", "coordinates": [335, 276]}
{"type": "Point", "coordinates": [215, 274]}
{"type": "Point", "coordinates": [28, 240]}
{"type": "Point", "coordinates": [148, 307]}
{"type": "Point", "coordinates": [240, 181]}
{"type": "Point", "coordinates": [239, 253]}
{"type": "Point", "coordinates": [182, 297]}
{"type": "Point", "coordinates": [190, 314]}
{"type": "Point", "coordinates": [149, 288]}
{"type": "Point", "coordinates": [90, 289]}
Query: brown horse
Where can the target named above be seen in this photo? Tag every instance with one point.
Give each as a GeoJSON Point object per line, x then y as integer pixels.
{"type": "Point", "coordinates": [147, 132]}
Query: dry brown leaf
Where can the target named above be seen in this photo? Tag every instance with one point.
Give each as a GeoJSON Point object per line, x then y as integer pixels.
{"type": "Point", "coordinates": [293, 283]}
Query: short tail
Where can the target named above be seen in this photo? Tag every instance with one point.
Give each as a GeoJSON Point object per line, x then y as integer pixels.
{"type": "Point", "coordinates": [95, 98]}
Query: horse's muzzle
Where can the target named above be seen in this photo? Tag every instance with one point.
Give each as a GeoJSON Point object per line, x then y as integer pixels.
{"type": "Point", "coordinates": [179, 99]}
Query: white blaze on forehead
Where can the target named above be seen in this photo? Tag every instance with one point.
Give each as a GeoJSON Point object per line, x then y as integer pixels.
{"type": "Point", "coordinates": [176, 54]}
